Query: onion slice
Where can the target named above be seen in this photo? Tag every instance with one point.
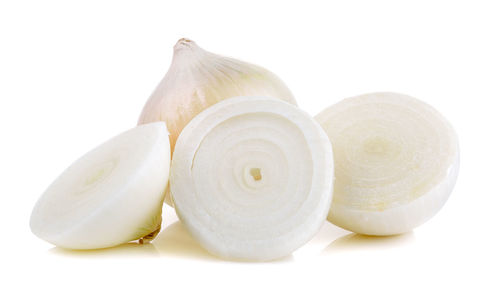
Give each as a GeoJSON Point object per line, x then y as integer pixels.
{"type": "Point", "coordinates": [111, 195]}
{"type": "Point", "coordinates": [396, 162]}
{"type": "Point", "coordinates": [252, 178]}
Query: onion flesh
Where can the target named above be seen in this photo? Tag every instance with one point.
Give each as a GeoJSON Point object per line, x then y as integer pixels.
{"type": "Point", "coordinates": [396, 162]}
{"type": "Point", "coordinates": [252, 178]}
{"type": "Point", "coordinates": [111, 195]}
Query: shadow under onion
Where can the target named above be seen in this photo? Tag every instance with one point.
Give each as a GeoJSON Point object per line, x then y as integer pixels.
{"type": "Point", "coordinates": [357, 242]}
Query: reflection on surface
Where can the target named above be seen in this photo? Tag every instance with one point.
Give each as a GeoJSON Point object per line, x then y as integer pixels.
{"type": "Point", "coordinates": [175, 240]}
{"type": "Point", "coordinates": [329, 232]}
{"type": "Point", "coordinates": [124, 250]}
{"type": "Point", "coordinates": [355, 241]}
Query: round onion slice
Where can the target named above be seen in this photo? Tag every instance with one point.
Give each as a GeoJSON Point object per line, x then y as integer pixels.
{"type": "Point", "coordinates": [111, 195]}
{"type": "Point", "coordinates": [396, 162]}
{"type": "Point", "coordinates": [252, 178]}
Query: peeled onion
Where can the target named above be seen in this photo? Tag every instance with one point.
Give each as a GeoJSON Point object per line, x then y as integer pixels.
{"type": "Point", "coordinates": [396, 162]}
{"type": "Point", "coordinates": [252, 178]}
{"type": "Point", "coordinates": [111, 195]}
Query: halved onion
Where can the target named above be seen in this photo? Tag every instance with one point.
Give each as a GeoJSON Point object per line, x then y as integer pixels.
{"type": "Point", "coordinates": [396, 162]}
{"type": "Point", "coordinates": [111, 195]}
{"type": "Point", "coordinates": [252, 178]}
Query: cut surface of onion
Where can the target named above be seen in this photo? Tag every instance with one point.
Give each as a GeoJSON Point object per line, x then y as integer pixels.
{"type": "Point", "coordinates": [111, 195]}
{"type": "Point", "coordinates": [252, 178]}
{"type": "Point", "coordinates": [396, 162]}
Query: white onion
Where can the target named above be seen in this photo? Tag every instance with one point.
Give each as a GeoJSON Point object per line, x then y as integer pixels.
{"type": "Point", "coordinates": [396, 162]}
{"type": "Point", "coordinates": [111, 195]}
{"type": "Point", "coordinates": [252, 178]}
{"type": "Point", "coordinates": [198, 79]}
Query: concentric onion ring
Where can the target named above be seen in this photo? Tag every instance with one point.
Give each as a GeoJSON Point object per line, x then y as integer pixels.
{"type": "Point", "coordinates": [252, 178]}
{"type": "Point", "coordinates": [396, 162]}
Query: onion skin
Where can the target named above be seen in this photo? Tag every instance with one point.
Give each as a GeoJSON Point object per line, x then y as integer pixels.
{"type": "Point", "coordinates": [397, 161]}
{"type": "Point", "coordinates": [198, 79]}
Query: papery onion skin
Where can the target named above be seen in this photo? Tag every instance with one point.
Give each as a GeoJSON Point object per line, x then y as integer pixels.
{"type": "Point", "coordinates": [198, 79]}
{"type": "Point", "coordinates": [421, 177]}
{"type": "Point", "coordinates": [252, 178]}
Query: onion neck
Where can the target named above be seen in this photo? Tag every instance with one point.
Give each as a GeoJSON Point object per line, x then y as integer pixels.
{"type": "Point", "coordinates": [187, 52]}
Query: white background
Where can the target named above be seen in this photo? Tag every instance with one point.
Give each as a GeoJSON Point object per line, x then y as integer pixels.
{"type": "Point", "coordinates": [74, 74]}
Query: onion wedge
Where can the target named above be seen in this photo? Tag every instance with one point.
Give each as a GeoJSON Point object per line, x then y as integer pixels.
{"type": "Point", "coordinates": [111, 195]}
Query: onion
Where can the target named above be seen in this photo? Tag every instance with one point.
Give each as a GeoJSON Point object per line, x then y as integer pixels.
{"type": "Point", "coordinates": [252, 178]}
{"type": "Point", "coordinates": [198, 79]}
{"type": "Point", "coordinates": [396, 162]}
{"type": "Point", "coordinates": [111, 195]}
